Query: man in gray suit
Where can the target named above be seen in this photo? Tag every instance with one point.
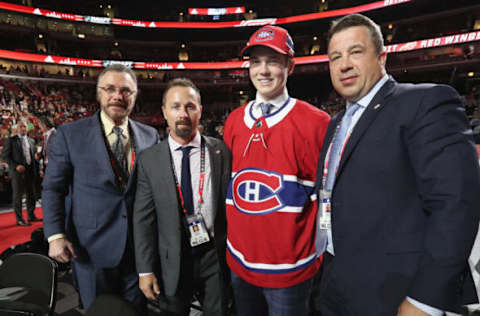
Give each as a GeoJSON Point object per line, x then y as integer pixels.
{"type": "Point", "coordinates": [18, 153]}
{"type": "Point", "coordinates": [89, 187]}
{"type": "Point", "coordinates": [179, 212]}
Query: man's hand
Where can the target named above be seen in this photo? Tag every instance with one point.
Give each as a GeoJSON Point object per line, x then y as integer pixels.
{"type": "Point", "coordinates": [37, 156]}
{"type": "Point", "coordinates": [20, 169]}
{"type": "Point", "coordinates": [61, 250]}
{"type": "Point", "coordinates": [407, 309]}
{"type": "Point", "coordinates": [149, 286]}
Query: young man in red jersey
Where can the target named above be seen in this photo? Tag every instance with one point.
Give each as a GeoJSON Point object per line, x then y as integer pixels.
{"type": "Point", "coordinates": [271, 217]}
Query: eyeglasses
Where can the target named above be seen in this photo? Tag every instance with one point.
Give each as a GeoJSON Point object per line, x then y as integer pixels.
{"type": "Point", "coordinates": [126, 92]}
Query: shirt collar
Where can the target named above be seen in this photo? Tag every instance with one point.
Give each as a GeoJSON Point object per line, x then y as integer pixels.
{"type": "Point", "coordinates": [366, 99]}
{"type": "Point", "coordinates": [174, 145]}
{"type": "Point", "coordinates": [276, 102]}
{"type": "Point", "coordinates": [108, 125]}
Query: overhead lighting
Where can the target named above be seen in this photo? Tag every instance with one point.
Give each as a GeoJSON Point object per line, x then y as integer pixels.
{"type": "Point", "coordinates": [109, 6]}
{"type": "Point", "coordinates": [101, 6]}
{"type": "Point", "coordinates": [81, 35]}
{"type": "Point", "coordinates": [315, 38]}
{"type": "Point", "coordinates": [40, 35]}
{"type": "Point", "coordinates": [241, 92]}
{"type": "Point", "coordinates": [116, 43]}
{"type": "Point", "coordinates": [471, 74]}
{"type": "Point", "coordinates": [181, 13]}
{"type": "Point", "coordinates": [390, 26]}
{"type": "Point", "coordinates": [182, 46]}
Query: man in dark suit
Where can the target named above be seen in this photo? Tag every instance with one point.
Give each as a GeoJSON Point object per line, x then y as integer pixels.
{"type": "Point", "coordinates": [89, 187]}
{"type": "Point", "coordinates": [18, 153]}
{"type": "Point", "coordinates": [179, 214]}
{"type": "Point", "coordinates": [400, 176]}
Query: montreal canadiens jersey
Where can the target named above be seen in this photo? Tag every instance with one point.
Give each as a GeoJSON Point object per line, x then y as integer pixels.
{"type": "Point", "coordinates": [271, 218]}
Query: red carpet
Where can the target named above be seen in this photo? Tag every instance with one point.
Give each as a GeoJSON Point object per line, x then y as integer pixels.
{"type": "Point", "coordinates": [11, 234]}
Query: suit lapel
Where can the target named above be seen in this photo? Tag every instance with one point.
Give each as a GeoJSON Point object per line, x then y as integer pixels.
{"type": "Point", "coordinates": [96, 134]}
{"type": "Point", "coordinates": [164, 173]}
{"type": "Point", "coordinates": [215, 167]}
{"type": "Point", "coordinates": [368, 117]}
{"type": "Point", "coordinates": [140, 145]}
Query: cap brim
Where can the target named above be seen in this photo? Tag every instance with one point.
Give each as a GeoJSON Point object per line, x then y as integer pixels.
{"type": "Point", "coordinates": [246, 49]}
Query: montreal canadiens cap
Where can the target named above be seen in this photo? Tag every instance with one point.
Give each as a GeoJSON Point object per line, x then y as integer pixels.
{"type": "Point", "coordinates": [274, 37]}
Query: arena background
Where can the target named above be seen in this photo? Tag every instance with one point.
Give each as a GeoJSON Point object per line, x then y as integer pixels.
{"type": "Point", "coordinates": [52, 51]}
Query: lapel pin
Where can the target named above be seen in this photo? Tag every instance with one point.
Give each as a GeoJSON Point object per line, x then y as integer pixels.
{"type": "Point", "coordinates": [376, 106]}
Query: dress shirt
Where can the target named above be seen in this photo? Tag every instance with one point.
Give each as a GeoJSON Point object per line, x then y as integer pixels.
{"type": "Point", "coordinates": [108, 126]}
{"type": "Point", "coordinates": [363, 102]}
{"type": "Point", "coordinates": [206, 207]}
{"type": "Point", "coordinates": [276, 103]}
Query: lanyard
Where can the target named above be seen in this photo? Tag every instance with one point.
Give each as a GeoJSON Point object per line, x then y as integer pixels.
{"type": "Point", "coordinates": [201, 180]}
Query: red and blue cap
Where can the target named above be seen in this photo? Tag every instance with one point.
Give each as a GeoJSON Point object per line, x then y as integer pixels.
{"type": "Point", "coordinates": [274, 37]}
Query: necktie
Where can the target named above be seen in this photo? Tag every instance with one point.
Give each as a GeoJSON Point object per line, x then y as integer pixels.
{"type": "Point", "coordinates": [26, 150]}
{"type": "Point", "coordinates": [337, 145]}
{"type": "Point", "coordinates": [266, 107]}
{"type": "Point", "coordinates": [186, 181]}
{"type": "Point", "coordinates": [119, 151]}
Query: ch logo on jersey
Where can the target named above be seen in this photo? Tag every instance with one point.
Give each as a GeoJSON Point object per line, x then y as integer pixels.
{"type": "Point", "coordinates": [256, 192]}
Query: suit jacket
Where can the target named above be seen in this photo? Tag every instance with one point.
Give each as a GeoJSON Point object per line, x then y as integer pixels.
{"type": "Point", "coordinates": [405, 203]}
{"type": "Point", "coordinates": [81, 195]}
{"type": "Point", "coordinates": [13, 154]}
{"type": "Point", "coordinates": [156, 219]}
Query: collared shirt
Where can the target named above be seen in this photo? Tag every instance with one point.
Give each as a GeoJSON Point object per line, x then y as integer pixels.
{"type": "Point", "coordinates": [206, 207]}
{"type": "Point", "coordinates": [276, 103]}
{"type": "Point", "coordinates": [363, 103]}
{"type": "Point", "coordinates": [108, 126]}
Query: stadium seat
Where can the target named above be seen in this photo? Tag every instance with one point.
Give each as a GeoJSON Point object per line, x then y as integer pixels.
{"type": "Point", "coordinates": [28, 284]}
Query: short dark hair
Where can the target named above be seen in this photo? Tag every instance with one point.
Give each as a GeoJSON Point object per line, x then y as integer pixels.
{"type": "Point", "coordinates": [118, 68]}
{"type": "Point", "coordinates": [358, 20]}
{"type": "Point", "coordinates": [180, 82]}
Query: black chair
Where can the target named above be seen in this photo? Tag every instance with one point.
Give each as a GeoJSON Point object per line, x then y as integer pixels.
{"type": "Point", "coordinates": [28, 284]}
{"type": "Point", "coordinates": [111, 305]}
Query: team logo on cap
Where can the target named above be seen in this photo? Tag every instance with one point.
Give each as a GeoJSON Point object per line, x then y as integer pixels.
{"type": "Point", "coordinates": [256, 192]}
{"type": "Point", "coordinates": [265, 35]}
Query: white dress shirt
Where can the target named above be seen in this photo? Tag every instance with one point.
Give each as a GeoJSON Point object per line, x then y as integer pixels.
{"type": "Point", "coordinates": [276, 103]}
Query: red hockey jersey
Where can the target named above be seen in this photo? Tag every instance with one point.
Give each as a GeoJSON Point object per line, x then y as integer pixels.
{"type": "Point", "coordinates": [271, 218]}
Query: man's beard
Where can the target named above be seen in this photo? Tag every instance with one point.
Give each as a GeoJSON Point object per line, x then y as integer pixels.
{"type": "Point", "coordinates": [186, 129]}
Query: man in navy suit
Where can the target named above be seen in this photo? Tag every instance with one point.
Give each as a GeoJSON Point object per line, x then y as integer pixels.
{"type": "Point", "coordinates": [398, 183]}
{"type": "Point", "coordinates": [89, 188]}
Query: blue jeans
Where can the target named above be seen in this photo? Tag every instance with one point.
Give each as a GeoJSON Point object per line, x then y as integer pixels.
{"type": "Point", "coordinates": [251, 300]}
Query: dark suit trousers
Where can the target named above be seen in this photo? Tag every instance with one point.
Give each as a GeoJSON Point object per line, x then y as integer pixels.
{"type": "Point", "coordinates": [23, 183]}
{"type": "Point", "coordinates": [327, 300]}
{"type": "Point", "coordinates": [121, 280]}
{"type": "Point", "coordinates": [200, 275]}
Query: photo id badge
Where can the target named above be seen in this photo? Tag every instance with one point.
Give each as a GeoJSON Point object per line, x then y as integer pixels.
{"type": "Point", "coordinates": [325, 219]}
{"type": "Point", "coordinates": [197, 229]}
